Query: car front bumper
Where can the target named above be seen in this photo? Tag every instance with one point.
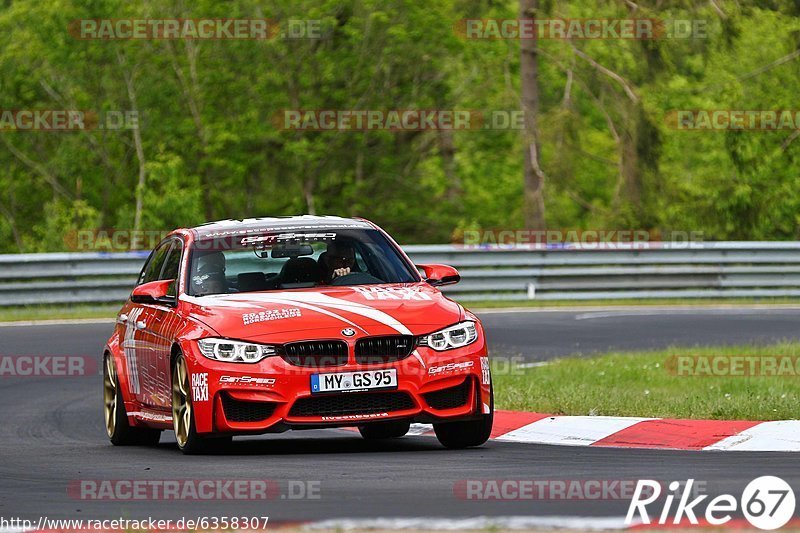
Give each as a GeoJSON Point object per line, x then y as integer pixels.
{"type": "Point", "coordinates": [273, 395]}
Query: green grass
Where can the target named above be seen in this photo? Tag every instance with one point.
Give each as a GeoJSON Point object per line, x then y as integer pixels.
{"type": "Point", "coordinates": [497, 304]}
{"type": "Point", "coordinates": [637, 384]}
{"type": "Point", "coordinates": [66, 312]}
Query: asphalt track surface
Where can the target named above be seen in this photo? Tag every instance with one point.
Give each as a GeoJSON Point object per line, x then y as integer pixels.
{"type": "Point", "coordinates": [52, 435]}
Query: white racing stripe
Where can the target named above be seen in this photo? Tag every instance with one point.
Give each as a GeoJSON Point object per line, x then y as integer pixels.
{"type": "Point", "coordinates": [590, 523]}
{"type": "Point", "coordinates": [318, 299]}
{"type": "Point", "coordinates": [365, 311]}
{"type": "Point", "coordinates": [318, 309]}
{"type": "Point", "coordinates": [570, 430]}
{"type": "Point", "coordinates": [419, 358]}
{"type": "Point", "coordinates": [777, 436]}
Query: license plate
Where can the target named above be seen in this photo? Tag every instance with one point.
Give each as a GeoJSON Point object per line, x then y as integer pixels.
{"type": "Point", "coordinates": [354, 381]}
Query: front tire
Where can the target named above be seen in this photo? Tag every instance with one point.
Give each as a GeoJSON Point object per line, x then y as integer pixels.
{"type": "Point", "coordinates": [385, 430]}
{"type": "Point", "coordinates": [189, 442]}
{"type": "Point", "coordinates": [457, 435]}
{"type": "Point", "coordinates": [119, 431]}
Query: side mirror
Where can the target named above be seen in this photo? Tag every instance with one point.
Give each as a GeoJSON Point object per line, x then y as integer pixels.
{"type": "Point", "coordinates": [438, 275]}
{"type": "Point", "coordinates": [153, 292]}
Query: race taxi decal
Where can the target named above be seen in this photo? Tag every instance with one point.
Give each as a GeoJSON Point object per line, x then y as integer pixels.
{"type": "Point", "coordinates": [393, 293]}
{"type": "Point", "coordinates": [272, 314]}
{"type": "Point", "coordinates": [486, 373]}
{"type": "Point", "coordinates": [451, 368]}
{"type": "Point", "coordinates": [200, 387]}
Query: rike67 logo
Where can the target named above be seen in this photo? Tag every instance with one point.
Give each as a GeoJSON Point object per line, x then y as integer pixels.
{"type": "Point", "coordinates": [767, 503]}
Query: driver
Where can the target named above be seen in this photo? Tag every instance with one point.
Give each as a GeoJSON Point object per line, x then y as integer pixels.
{"type": "Point", "coordinates": [338, 260]}
{"type": "Point", "coordinates": [209, 277]}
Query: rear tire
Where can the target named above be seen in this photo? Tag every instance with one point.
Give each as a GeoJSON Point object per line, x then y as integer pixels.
{"type": "Point", "coordinates": [457, 435]}
{"type": "Point", "coordinates": [385, 430]}
{"type": "Point", "coordinates": [119, 431]}
{"type": "Point", "coordinates": [189, 442]}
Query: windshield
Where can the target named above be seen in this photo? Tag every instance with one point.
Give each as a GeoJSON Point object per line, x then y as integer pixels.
{"type": "Point", "coordinates": [295, 260]}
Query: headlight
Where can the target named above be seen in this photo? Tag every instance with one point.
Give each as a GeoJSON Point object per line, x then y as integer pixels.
{"type": "Point", "coordinates": [451, 337]}
{"type": "Point", "coordinates": [235, 351]}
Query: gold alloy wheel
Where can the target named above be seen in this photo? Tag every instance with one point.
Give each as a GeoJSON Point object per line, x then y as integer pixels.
{"type": "Point", "coordinates": [110, 395]}
{"type": "Point", "coordinates": [181, 406]}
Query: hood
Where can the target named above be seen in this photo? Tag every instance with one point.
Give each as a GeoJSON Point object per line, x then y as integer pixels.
{"type": "Point", "coordinates": [322, 312]}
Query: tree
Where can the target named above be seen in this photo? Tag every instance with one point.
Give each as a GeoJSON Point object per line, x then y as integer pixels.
{"type": "Point", "coordinates": [533, 175]}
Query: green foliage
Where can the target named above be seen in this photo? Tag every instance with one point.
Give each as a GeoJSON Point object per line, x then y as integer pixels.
{"type": "Point", "coordinates": [61, 220]}
{"type": "Point", "coordinates": [211, 148]}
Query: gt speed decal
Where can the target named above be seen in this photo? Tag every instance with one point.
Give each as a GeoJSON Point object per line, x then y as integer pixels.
{"type": "Point", "coordinates": [272, 314]}
{"type": "Point", "coordinates": [451, 367]}
{"type": "Point", "coordinates": [200, 387]}
{"type": "Point", "coordinates": [289, 237]}
{"type": "Point", "coordinates": [393, 293]}
{"type": "Point", "coordinates": [486, 372]}
{"type": "Point", "coordinates": [247, 380]}
{"type": "Point", "coordinates": [288, 227]}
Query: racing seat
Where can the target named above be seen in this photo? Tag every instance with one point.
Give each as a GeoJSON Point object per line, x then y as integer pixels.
{"type": "Point", "coordinates": [300, 270]}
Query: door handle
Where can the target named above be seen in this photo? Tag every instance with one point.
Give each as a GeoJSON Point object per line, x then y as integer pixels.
{"type": "Point", "coordinates": [141, 324]}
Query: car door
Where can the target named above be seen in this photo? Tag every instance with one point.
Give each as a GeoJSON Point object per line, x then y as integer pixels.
{"type": "Point", "coordinates": [136, 340]}
{"type": "Point", "coordinates": [163, 323]}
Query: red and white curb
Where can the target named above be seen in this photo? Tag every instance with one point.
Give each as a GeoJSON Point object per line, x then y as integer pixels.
{"type": "Point", "coordinates": [654, 433]}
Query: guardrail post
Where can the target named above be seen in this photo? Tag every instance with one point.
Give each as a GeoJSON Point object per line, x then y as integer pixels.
{"type": "Point", "coordinates": [531, 291]}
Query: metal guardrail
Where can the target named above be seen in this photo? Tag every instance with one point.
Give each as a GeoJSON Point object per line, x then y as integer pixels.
{"type": "Point", "coordinates": [655, 270]}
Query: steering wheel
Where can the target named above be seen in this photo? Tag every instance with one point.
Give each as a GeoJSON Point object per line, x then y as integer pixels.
{"type": "Point", "coordinates": [355, 278]}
